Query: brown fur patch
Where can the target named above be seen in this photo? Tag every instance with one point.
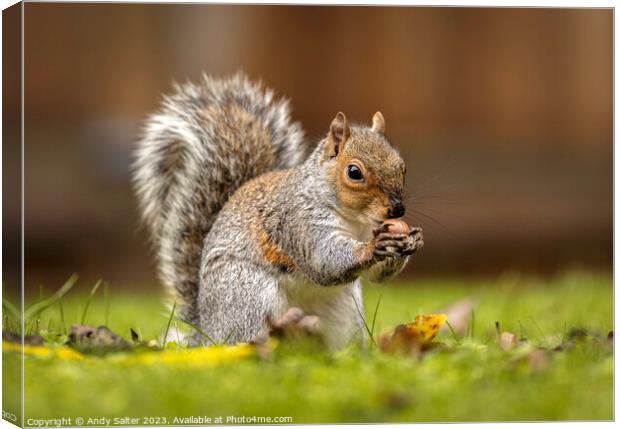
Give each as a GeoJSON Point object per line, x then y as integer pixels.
{"type": "Point", "coordinates": [274, 254]}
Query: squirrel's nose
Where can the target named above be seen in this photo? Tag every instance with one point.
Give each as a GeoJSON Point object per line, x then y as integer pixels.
{"type": "Point", "coordinates": [397, 210]}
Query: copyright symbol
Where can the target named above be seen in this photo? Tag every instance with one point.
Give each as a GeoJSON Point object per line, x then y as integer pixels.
{"type": "Point", "coordinates": [79, 421]}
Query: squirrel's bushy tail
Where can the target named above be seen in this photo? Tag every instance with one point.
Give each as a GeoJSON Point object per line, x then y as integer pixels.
{"type": "Point", "coordinates": [195, 152]}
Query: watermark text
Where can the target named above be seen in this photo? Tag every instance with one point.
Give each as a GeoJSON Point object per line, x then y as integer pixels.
{"type": "Point", "coordinates": [155, 421]}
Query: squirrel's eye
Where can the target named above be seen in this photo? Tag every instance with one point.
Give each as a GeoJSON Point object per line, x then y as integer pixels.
{"type": "Point", "coordinates": [354, 173]}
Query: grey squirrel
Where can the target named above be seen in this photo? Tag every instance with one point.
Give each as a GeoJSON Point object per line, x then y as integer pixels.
{"type": "Point", "coordinates": [246, 220]}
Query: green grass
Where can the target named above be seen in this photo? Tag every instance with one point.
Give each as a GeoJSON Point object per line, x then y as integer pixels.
{"type": "Point", "coordinates": [472, 381]}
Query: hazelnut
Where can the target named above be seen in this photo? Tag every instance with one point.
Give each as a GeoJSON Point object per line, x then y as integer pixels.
{"type": "Point", "coordinates": [397, 226]}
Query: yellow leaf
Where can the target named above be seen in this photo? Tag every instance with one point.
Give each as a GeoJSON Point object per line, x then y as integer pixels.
{"type": "Point", "coordinates": [195, 357]}
{"type": "Point", "coordinates": [413, 337]}
{"type": "Point", "coordinates": [427, 326]}
{"type": "Point", "coordinates": [61, 352]}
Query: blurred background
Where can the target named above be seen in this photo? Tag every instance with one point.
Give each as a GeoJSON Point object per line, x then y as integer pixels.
{"type": "Point", "coordinates": [504, 117]}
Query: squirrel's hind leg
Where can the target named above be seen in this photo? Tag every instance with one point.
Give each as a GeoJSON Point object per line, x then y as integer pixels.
{"type": "Point", "coordinates": [234, 299]}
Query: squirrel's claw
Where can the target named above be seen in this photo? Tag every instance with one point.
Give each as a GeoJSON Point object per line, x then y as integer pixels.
{"type": "Point", "coordinates": [387, 236]}
{"type": "Point", "coordinates": [415, 242]}
{"type": "Point", "coordinates": [384, 244]}
{"type": "Point", "coordinates": [383, 254]}
{"type": "Point", "coordinates": [415, 230]}
{"type": "Point", "coordinates": [398, 245]}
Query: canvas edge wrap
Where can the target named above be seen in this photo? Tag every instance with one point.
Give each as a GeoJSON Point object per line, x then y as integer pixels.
{"type": "Point", "coordinates": [12, 199]}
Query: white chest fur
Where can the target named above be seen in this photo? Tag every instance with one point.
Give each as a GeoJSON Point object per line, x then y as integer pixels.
{"type": "Point", "coordinates": [358, 230]}
{"type": "Point", "coordinates": [339, 308]}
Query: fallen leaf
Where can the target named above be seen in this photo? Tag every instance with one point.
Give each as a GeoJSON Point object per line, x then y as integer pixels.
{"type": "Point", "coordinates": [428, 325]}
{"type": "Point", "coordinates": [507, 341]}
{"type": "Point", "coordinates": [199, 357]}
{"type": "Point", "coordinates": [538, 359]}
{"type": "Point", "coordinates": [60, 352]}
{"type": "Point", "coordinates": [458, 315]}
{"type": "Point", "coordinates": [96, 340]}
{"type": "Point", "coordinates": [33, 340]}
{"type": "Point", "coordinates": [415, 337]}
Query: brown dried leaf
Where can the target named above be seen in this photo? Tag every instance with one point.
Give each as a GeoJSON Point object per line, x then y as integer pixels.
{"type": "Point", "coordinates": [30, 340]}
{"type": "Point", "coordinates": [538, 359]}
{"type": "Point", "coordinates": [458, 315]}
{"type": "Point", "coordinates": [413, 338]}
{"type": "Point", "coordinates": [507, 341]}
{"type": "Point", "coordinates": [96, 340]}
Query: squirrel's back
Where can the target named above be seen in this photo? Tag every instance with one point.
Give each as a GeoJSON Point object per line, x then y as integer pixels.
{"type": "Point", "coordinates": [203, 144]}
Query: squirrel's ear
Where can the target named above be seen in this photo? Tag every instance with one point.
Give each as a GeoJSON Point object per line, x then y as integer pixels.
{"type": "Point", "coordinates": [339, 132]}
{"type": "Point", "coordinates": [378, 123]}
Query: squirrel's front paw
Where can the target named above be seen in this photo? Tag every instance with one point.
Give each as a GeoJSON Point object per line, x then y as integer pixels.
{"type": "Point", "coordinates": [414, 242]}
{"type": "Point", "coordinates": [396, 245]}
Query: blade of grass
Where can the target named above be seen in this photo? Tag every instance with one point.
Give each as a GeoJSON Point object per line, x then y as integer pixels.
{"type": "Point", "coordinates": [473, 320]}
{"type": "Point", "coordinates": [364, 320]}
{"type": "Point", "coordinates": [13, 326]}
{"type": "Point", "coordinates": [93, 291]}
{"type": "Point", "coordinates": [374, 316]}
{"type": "Point", "coordinates": [543, 339]}
{"type": "Point", "coordinates": [565, 333]}
{"type": "Point", "coordinates": [523, 333]}
{"type": "Point", "coordinates": [200, 331]}
{"type": "Point", "coordinates": [6, 323]}
{"type": "Point", "coordinates": [10, 308]}
{"type": "Point", "coordinates": [456, 338]}
{"type": "Point", "coordinates": [62, 316]}
{"type": "Point", "coordinates": [176, 330]}
{"type": "Point", "coordinates": [467, 329]}
{"type": "Point", "coordinates": [106, 301]}
{"type": "Point", "coordinates": [37, 308]}
{"type": "Point", "coordinates": [232, 331]}
{"type": "Point", "coordinates": [174, 307]}
{"type": "Point", "coordinates": [135, 338]}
